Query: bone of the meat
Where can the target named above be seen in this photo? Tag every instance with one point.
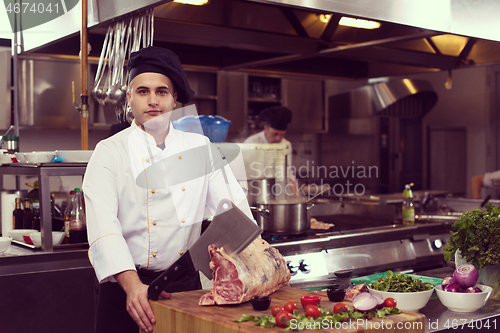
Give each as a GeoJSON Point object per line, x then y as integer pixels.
{"type": "Point", "coordinates": [259, 270]}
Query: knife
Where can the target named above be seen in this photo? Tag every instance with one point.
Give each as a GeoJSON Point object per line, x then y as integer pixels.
{"type": "Point", "coordinates": [230, 228]}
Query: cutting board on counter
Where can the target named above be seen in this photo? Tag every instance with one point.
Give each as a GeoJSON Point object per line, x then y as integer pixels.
{"type": "Point", "coordinates": [182, 313]}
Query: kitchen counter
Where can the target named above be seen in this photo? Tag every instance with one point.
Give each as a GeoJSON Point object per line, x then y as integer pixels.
{"type": "Point", "coordinates": [439, 318]}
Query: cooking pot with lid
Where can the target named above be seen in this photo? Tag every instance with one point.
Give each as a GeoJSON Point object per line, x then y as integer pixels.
{"type": "Point", "coordinates": [283, 216]}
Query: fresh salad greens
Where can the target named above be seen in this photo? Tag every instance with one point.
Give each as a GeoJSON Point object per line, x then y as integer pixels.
{"type": "Point", "coordinates": [400, 283]}
{"type": "Point", "coordinates": [477, 236]}
{"type": "Point", "coordinates": [301, 322]}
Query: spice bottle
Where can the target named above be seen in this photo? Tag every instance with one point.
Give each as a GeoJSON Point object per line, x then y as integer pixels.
{"type": "Point", "coordinates": [408, 212]}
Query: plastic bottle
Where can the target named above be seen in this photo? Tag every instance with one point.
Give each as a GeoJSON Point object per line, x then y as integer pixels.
{"type": "Point", "coordinates": [67, 214]}
{"type": "Point", "coordinates": [77, 223]}
{"type": "Point", "coordinates": [408, 212]}
{"type": "Point", "coordinates": [18, 215]}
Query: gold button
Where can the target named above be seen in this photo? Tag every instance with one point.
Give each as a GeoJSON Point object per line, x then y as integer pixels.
{"type": "Point", "coordinates": [147, 160]}
{"type": "Point", "coordinates": [183, 220]}
{"type": "Point", "coordinates": [153, 191]}
{"type": "Point", "coordinates": [154, 222]}
{"type": "Point", "coordinates": [183, 188]}
{"type": "Point", "coordinates": [180, 157]}
{"type": "Point", "coordinates": [181, 252]}
{"type": "Point", "coordinates": [154, 254]}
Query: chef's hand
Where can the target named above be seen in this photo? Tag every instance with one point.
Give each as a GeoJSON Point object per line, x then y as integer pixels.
{"type": "Point", "coordinates": [137, 299]}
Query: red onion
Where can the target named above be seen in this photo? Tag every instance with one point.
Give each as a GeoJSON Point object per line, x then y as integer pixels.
{"type": "Point", "coordinates": [466, 275]}
{"type": "Point", "coordinates": [380, 300]}
{"type": "Point", "coordinates": [453, 288]}
{"type": "Point", "coordinates": [473, 290]}
{"type": "Point", "coordinates": [447, 280]}
{"type": "Point", "coordinates": [364, 302]}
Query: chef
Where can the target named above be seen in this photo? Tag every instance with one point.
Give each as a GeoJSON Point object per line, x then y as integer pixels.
{"type": "Point", "coordinates": [146, 189]}
{"type": "Point", "coordinates": [479, 181]}
{"type": "Point", "coordinates": [275, 121]}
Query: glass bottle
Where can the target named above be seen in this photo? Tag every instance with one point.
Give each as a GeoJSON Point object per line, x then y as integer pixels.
{"type": "Point", "coordinates": [67, 213]}
{"type": "Point", "coordinates": [77, 224]}
{"type": "Point", "coordinates": [28, 215]}
{"type": "Point", "coordinates": [18, 215]}
{"type": "Point", "coordinates": [408, 212]}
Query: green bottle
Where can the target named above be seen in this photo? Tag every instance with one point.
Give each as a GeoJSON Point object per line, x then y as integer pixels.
{"type": "Point", "coordinates": [408, 213]}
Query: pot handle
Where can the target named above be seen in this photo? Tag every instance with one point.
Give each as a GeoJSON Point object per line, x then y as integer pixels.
{"type": "Point", "coordinates": [260, 210]}
{"type": "Point", "coordinates": [309, 207]}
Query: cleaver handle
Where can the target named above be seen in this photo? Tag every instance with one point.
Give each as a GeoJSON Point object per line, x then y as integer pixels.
{"type": "Point", "coordinates": [179, 267]}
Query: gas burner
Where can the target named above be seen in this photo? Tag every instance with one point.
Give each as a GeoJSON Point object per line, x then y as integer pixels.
{"type": "Point", "coordinates": [279, 238]}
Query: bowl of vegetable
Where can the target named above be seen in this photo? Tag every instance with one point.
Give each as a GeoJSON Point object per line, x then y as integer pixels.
{"type": "Point", "coordinates": [461, 293]}
{"type": "Point", "coordinates": [464, 301]}
{"type": "Point", "coordinates": [410, 293]}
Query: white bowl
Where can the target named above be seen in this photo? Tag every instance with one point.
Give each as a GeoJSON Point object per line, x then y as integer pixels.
{"type": "Point", "coordinates": [18, 234]}
{"type": "Point", "coordinates": [464, 302]}
{"type": "Point", "coordinates": [57, 238]}
{"type": "Point", "coordinates": [407, 301]}
{"type": "Point", "coordinates": [40, 156]}
{"type": "Point", "coordinates": [4, 244]}
{"type": "Point", "coordinates": [74, 156]}
{"type": "Point", "coordinates": [20, 157]}
{"type": "Point", "coordinates": [5, 158]}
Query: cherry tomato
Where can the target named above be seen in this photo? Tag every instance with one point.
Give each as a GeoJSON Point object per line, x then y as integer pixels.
{"type": "Point", "coordinates": [290, 306]}
{"type": "Point", "coordinates": [312, 311]}
{"type": "Point", "coordinates": [390, 302]}
{"type": "Point", "coordinates": [276, 309]}
{"type": "Point", "coordinates": [283, 318]}
{"type": "Point", "coordinates": [339, 308]}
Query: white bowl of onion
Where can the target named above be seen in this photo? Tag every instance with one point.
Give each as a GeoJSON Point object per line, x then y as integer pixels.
{"type": "Point", "coordinates": [461, 293]}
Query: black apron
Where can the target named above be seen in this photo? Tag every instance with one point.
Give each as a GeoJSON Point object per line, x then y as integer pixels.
{"type": "Point", "coordinates": [111, 312]}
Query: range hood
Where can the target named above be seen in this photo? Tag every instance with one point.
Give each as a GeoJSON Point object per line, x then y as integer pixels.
{"type": "Point", "coordinates": [288, 36]}
{"type": "Point", "coordinates": [355, 112]}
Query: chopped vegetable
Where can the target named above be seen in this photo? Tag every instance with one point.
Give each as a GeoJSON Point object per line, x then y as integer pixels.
{"type": "Point", "coordinates": [400, 283]}
{"type": "Point", "coordinates": [477, 236]}
{"type": "Point", "coordinates": [473, 290]}
{"type": "Point", "coordinates": [453, 288]}
{"type": "Point", "coordinates": [447, 280]}
{"type": "Point", "coordinates": [364, 302]}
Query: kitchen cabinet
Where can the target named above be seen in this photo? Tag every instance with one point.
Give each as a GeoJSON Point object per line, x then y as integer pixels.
{"type": "Point", "coordinates": [204, 84]}
{"type": "Point", "coordinates": [242, 96]}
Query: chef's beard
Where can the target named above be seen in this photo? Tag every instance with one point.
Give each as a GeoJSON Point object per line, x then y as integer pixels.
{"type": "Point", "coordinates": [158, 123]}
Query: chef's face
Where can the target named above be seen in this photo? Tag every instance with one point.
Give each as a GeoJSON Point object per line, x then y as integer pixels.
{"type": "Point", "coordinates": [273, 135]}
{"type": "Point", "coordinates": [150, 95]}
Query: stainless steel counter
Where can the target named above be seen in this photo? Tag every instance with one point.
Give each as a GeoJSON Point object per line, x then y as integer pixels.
{"type": "Point", "coordinates": [439, 318]}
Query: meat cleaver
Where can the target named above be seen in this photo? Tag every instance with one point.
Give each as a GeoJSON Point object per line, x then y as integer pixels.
{"type": "Point", "coordinates": [230, 229]}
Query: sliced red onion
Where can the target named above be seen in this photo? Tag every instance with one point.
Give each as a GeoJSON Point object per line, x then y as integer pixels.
{"type": "Point", "coordinates": [447, 280]}
{"type": "Point", "coordinates": [364, 302]}
{"type": "Point", "coordinates": [473, 290]}
{"type": "Point", "coordinates": [380, 300]}
{"type": "Point", "coordinates": [466, 275]}
{"type": "Point", "coordinates": [453, 288]}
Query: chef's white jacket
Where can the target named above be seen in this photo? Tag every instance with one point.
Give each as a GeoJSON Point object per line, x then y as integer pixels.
{"type": "Point", "coordinates": [145, 205]}
{"type": "Point", "coordinates": [260, 137]}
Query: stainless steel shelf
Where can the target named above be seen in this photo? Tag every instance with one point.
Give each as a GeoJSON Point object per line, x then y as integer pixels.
{"type": "Point", "coordinates": [43, 172]}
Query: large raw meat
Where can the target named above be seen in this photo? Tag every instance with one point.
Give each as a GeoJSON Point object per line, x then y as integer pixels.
{"type": "Point", "coordinates": [259, 270]}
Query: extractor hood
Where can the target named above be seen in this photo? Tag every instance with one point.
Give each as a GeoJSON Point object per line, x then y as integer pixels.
{"type": "Point", "coordinates": [288, 36]}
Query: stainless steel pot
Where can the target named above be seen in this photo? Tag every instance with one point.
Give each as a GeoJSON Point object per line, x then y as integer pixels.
{"type": "Point", "coordinates": [283, 216]}
{"type": "Point", "coordinates": [260, 190]}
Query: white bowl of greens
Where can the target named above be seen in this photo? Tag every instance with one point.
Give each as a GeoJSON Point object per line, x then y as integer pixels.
{"type": "Point", "coordinates": [411, 293]}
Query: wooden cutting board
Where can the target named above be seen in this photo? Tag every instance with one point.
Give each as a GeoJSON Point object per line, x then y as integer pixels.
{"type": "Point", "coordinates": [182, 314]}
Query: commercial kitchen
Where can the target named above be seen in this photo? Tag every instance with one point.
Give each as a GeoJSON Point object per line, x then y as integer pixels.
{"type": "Point", "coordinates": [414, 100]}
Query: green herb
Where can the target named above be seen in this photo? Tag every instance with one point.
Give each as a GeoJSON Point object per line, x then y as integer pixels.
{"type": "Point", "coordinates": [400, 283]}
{"type": "Point", "coordinates": [317, 323]}
{"type": "Point", "coordinates": [477, 236]}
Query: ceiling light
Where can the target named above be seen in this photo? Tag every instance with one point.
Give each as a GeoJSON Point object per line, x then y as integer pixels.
{"type": "Point", "coordinates": [325, 18]}
{"type": "Point", "coordinates": [358, 23]}
{"type": "Point", "coordinates": [192, 2]}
